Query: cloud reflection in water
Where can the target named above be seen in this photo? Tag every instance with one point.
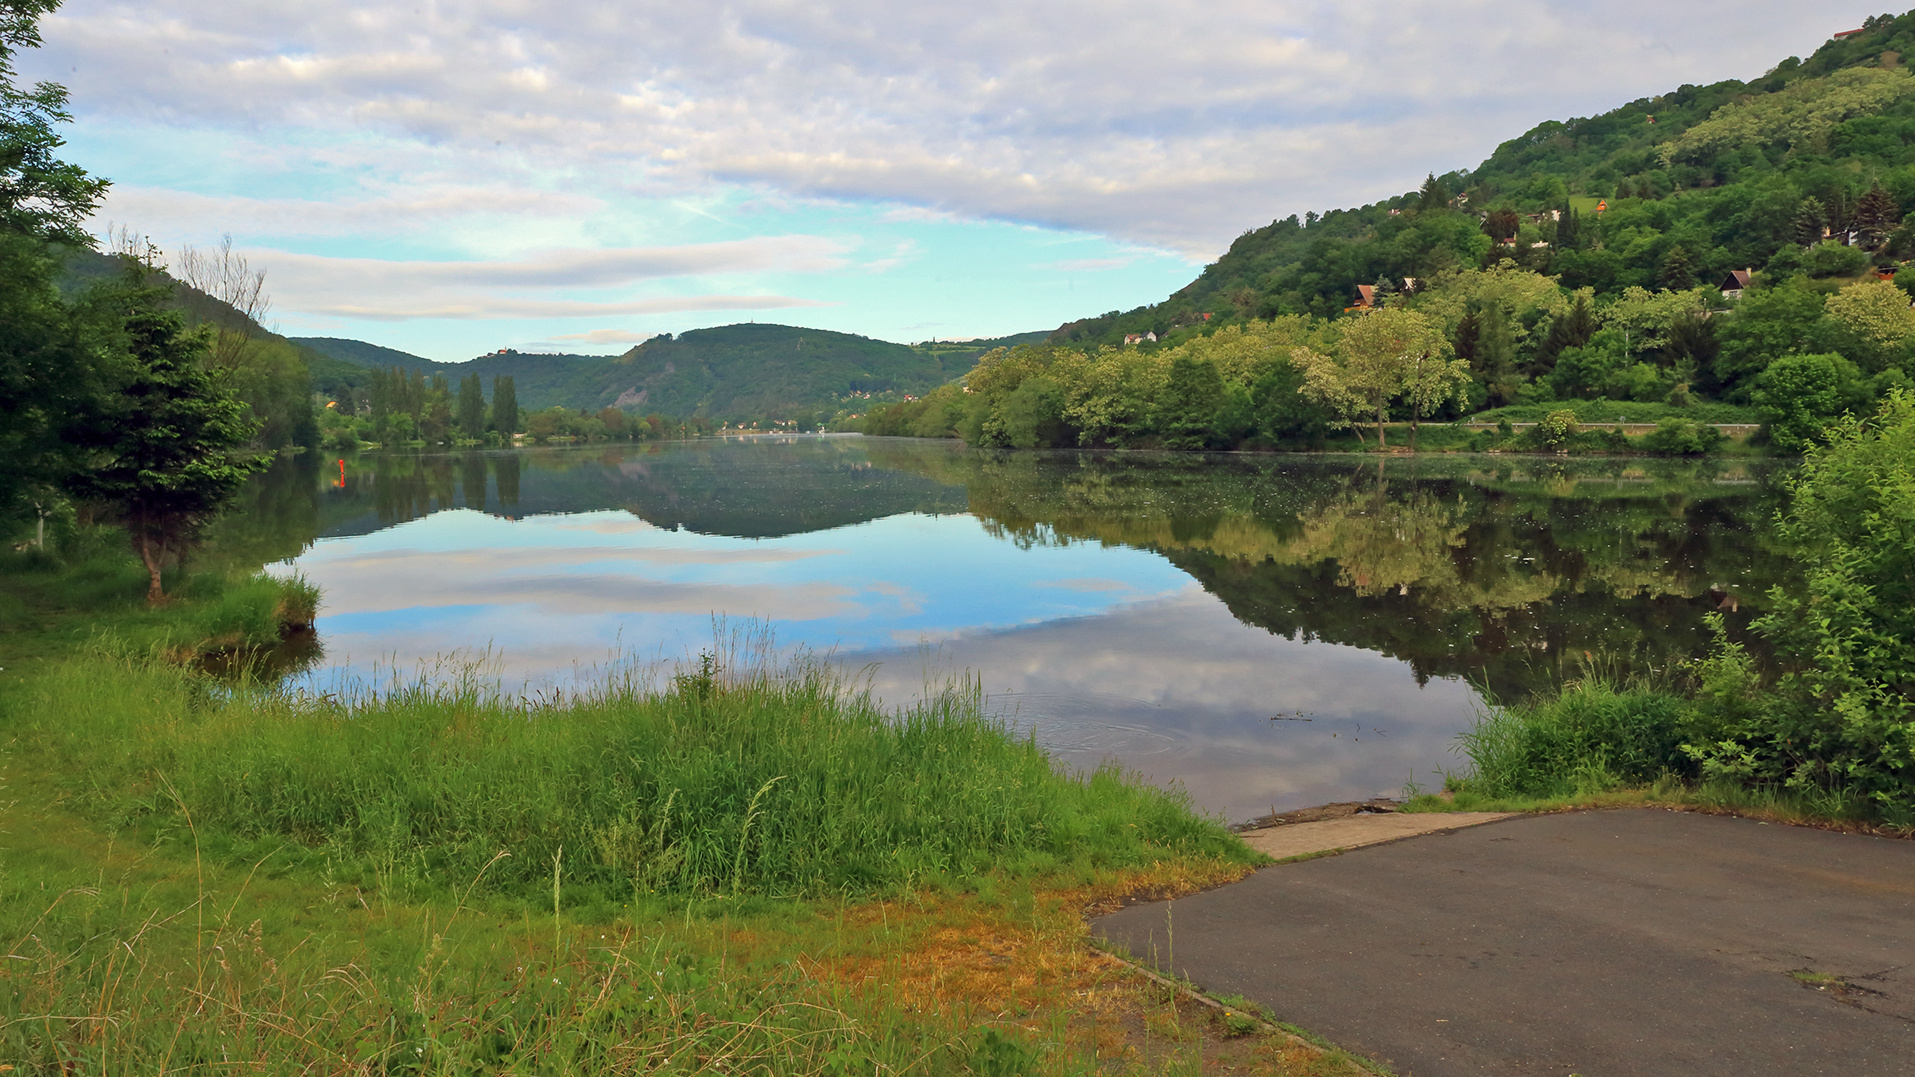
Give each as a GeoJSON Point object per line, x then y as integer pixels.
{"type": "Point", "coordinates": [1105, 651]}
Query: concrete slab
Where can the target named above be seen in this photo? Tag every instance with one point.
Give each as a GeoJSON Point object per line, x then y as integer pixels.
{"type": "Point", "coordinates": [1356, 831]}
{"type": "Point", "coordinates": [1615, 943]}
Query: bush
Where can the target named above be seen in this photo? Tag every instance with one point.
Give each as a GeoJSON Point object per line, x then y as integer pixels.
{"type": "Point", "coordinates": [1798, 395]}
{"type": "Point", "coordinates": [1682, 437]}
{"type": "Point", "coordinates": [1832, 259]}
{"type": "Point", "coordinates": [1841, 715]}
{"type": "Point", "coordinates": [1554, 429]}
{"type": "Point", "coordinates": [1592, 737]}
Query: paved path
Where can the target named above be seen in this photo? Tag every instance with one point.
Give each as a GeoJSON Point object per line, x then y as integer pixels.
{"type": "Point", "coordinates": [1609, 943]}
{"type": "Point", "coordinates": [1356, 831]}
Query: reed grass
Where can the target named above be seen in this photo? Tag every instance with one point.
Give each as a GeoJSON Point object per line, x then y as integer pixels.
{"type": "Point", "coordinates": [754, 777]}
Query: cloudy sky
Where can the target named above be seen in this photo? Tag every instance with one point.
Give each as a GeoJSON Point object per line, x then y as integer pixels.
{"type": "Point", "coordinates": [454, 176]}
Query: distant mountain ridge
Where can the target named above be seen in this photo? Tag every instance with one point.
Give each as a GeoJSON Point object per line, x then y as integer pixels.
{"type": "Point", "coordinates": [729, 372]}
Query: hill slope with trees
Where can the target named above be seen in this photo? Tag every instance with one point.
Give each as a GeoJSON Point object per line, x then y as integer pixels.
{"type": "Point", "coordinates": [1719, 254]}
{"type": "Point", "coordinates": [733, 372]}
{"type": "Point", "coordinates": [1693, 184]}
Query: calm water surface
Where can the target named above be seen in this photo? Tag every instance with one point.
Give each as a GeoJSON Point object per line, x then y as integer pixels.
{"type": "Point", "coordinates": [1270, 631]}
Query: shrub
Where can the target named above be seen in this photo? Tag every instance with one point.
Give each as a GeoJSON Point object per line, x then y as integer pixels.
{"type": "Point", "coordinates": [1593, 736]}
{"type": "Point", "coordinates": [1682, 437]}
{"type": "Point", "coordinates": [1842, 712]}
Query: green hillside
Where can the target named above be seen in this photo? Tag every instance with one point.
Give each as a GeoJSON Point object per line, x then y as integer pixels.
{"type": "Point", "coordinates": [752, 371]}
{"type": "Point", "coordinates": [1697, 182]}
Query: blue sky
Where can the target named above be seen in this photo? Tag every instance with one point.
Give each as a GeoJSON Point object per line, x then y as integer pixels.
{"type": "Point", "coordinates": [455, 176]}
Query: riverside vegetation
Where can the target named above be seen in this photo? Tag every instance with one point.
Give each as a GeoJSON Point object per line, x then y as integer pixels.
{"type": "Point", "coordinates": [748, 867]}
{"type": "Point", "coordinates": [1810, 717]}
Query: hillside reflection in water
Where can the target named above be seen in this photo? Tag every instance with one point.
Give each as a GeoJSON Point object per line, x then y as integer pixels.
{"type": "Point", "coordinates": [1183, 615]}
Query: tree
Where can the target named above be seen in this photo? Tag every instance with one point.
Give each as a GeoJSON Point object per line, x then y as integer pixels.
{"type": "Point", "coordinates": [471, 407]}
{"type": "Point", "coordinates": [505, 406]}
{"type": "Point", "coordinates": [1495, 354]}
{"type": "Point", "coordinates": [1811, 222]}
{"type": "Point", "coordinates": [1874, 321]}
{"type": "Point", "coordinates": [1187, 414]}
{"type": "Point", "coordinates": [1876, 216]}
{"type": "Point", "coordinates": [1501, 225]}
{"type": "Point", "coordinates": [46, 371]}
{"type": "Point", "coordinates": [1692, 345]}
{"type": "Point", "coordinates": [1569, 230]}
{"type": "Point", "coordinates": [1433, 196]}
{"type": "Point", "coordinates": [1798, 395]}
{"type": "Point", "coordinates": [1375, 361]}
{"type": "Point", "coordinates": [227, 277]}
{"type": "Point", "coordinates": [1572, 328]}
{"type": "Point", "coordinates": [1842, 714]}
{"type": "Point", "coordinates": [167, 446]}
{"type": "Point", "coordinates": [40, 195]}
{"type": "Point", "coordinates": [1678, 273]}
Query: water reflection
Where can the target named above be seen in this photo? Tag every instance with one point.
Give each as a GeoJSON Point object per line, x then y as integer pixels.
{"type": "Point", "coordinates": [1161, 610]}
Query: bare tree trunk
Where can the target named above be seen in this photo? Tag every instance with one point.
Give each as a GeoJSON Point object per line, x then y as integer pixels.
{"type": "Point", "coordinates": [1413, 418]}
{"type": "Point", "coordinates": [1380, 443]}
{"type": "Point", "coordinates": [151, 558]}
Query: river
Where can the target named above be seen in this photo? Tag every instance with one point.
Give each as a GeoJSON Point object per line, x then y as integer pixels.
{"type": "Point", "coordinates": [1270, 631]}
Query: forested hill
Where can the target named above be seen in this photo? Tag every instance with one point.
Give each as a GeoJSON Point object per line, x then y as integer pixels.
{"type": "Point", "coordinates": [752, 371]}
{"type": "Point", "coordinates": [1697, 182]}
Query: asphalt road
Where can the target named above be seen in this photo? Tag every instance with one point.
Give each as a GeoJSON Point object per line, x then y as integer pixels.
{"type": "Point", "coordinates": [1597, 943]}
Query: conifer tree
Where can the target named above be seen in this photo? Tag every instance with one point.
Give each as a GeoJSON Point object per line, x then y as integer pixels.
{"type": "Point", "coordinates": [1678, 270]}
{"type": "Point", "coordinates": [1811, 220]}
{"type": "Point", "coordinates": [471, 407]}
{"type": "Point", "coordinates": [166, 448]}
{"type": "Point", "coordinates": [505, 406]}
{"type": "Point", "coordinates": [1876, 216]}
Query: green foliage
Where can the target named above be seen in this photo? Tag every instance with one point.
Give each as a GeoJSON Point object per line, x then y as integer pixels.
{"type": "Point", "coordinates": [1800, 114]}
{"type": "Point", "coordinates": [1832, 259]}
{"type": "Point", "coordinates": [1841, 715]}
{"type": "Point", "coordinates": [1594, 736]}
{"type": "Point", "coordinates": [41, 196]}
{"type": "Point", "coordinates": [1554, 429]}
{"type": "Point", "coordinates": [1798, 395]}
{"type": "Point", "coordinates": [165, 448]}
{"type": "Point", "coordinates": [505, 405]}
{"type": "Point", "coordinates": [1682, 437]}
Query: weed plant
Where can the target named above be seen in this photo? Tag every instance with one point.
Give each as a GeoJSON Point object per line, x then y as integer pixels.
{"type": "Point", "coordinates": [753, 778]}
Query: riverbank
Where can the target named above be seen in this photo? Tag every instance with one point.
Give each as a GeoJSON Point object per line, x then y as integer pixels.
{"type": "Point", "coordinates": [715, 874]}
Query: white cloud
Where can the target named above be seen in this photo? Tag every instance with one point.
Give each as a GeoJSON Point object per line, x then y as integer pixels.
{"type": "Point", "coordinates": [606, 336]}
{"type": "Point", "coordinates": [1175, 125]}
{"type": "Point", "coordinates": [392, 290]}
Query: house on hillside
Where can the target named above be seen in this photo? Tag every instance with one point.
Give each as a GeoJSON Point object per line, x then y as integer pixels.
{"type": "Point", "coordinates": [1365, 296]}
{"type": "Point", "coordinates": [1737, 280]}
{"type": "Point", "coordinates": [1139, 338]}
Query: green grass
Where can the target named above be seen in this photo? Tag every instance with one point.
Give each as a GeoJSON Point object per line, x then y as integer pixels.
{"type": "Point", "coordinates": [750, 779]}
{"type": "Point", "coordinates": [751, 869]}
{"type": "Point", "coordinates": [1611, 411]}
{"type": "Point", "coordinates": [1608, 741]}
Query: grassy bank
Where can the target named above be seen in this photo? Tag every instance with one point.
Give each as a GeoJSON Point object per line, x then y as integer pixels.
{"type": "Point", "coordinates": [1609, 742]}
{"type": "Point", "coordinates": [747, 869]}
{"type": "Point", "coordinates": [776, 781]}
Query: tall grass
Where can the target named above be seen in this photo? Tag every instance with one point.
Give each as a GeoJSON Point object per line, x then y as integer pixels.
{"type": "Point", "coordinates": [1597, 735]}
{"type": "Point", "coordinates": [755, 777]}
